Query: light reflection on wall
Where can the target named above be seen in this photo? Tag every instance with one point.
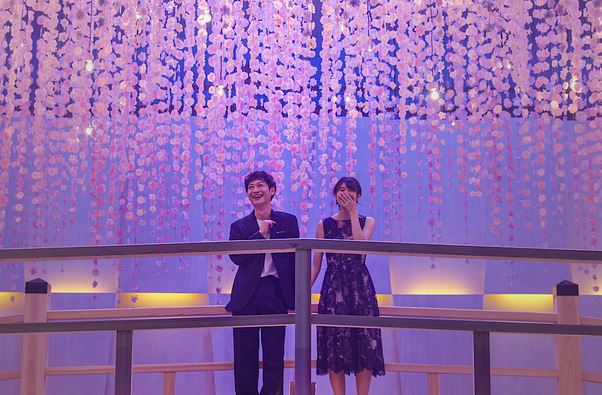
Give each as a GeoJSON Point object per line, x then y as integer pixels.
{"type": "Point", "coordinates": [11, 302]}
{"type": "Point", "coordinates": [588, 277]}
{"type": "Point", "coordinates": [441, 276]}
{"type": "Point", "coordinates": [76, 276]}
{"type": "Point", "coordinates": [220, 276]}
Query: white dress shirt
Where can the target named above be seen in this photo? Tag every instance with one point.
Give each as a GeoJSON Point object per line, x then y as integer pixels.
{"type": "Point", "coordinates": [269, 269]}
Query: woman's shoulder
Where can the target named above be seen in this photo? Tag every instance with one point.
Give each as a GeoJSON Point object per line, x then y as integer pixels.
{"type": "Point", "coordinates": [365, 220]}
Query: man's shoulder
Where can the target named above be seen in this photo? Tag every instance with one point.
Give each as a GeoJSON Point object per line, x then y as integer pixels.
{"type": "Point", "coordinates": [241, 221]}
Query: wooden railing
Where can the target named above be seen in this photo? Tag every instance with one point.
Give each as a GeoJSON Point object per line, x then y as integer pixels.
{"type": "Point", "coordinates": [169, 371]}
{"type": "Point", "coordinates": [36, 321]}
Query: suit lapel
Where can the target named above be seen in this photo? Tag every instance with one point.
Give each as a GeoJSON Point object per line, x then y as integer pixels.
{"type": "Point", "coordinates": [277, 226]}
{"type": "Point", "coordinates": [251, 224]}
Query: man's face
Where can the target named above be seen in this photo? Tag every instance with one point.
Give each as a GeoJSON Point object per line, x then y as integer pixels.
{"type": "Point", "coordinates": [259, 193]}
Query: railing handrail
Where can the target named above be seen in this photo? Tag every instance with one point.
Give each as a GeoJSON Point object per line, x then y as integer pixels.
{"type": "Point", "coordinates": [289, 364]}
{"type": "Point", "coordinates": [316, 319]}
{"type": "Point", "coordinates": [225, 365]}
{"type": "Point", "coordinates": [388, 311]}
{"type": "Point", "coordinates": [290, 245]}
{"type": "Point", "coordinates": [394, 311]}
{"type": "Point", "coordinates": [225, 321]}
{"type": "Point", "coordinates": [212, 310]}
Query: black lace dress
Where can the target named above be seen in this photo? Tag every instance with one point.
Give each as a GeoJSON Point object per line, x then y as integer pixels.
{"type": "Point", "coordinates": [347, 289]}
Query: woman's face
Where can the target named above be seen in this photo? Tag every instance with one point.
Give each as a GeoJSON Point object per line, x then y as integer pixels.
{"type": "Point", "coordinates": [344, 189]}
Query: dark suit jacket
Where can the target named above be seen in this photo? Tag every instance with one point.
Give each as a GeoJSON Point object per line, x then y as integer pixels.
{"type": "Point", "coordinates": [250, 266]}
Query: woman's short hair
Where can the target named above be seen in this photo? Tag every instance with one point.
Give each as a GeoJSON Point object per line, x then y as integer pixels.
{"type": "Point", "coordinates": [350, 182]}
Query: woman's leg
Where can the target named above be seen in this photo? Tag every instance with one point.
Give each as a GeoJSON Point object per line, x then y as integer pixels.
{"type": "Point", "coordinates": [337, 381]}
{"type": "Point", "coordinates": [362, 381]}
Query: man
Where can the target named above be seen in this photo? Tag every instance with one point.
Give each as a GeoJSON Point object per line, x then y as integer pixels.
{"type": "Point", "coordinates": [264, 284]}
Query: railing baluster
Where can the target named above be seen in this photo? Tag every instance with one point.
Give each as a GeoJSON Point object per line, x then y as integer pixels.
{"type": "Point", "coordinates": [302, 322]}
{"type": "Point", "coordinates": [481, 363]}
{"type": "Point", "coordinates": [568, 348]}
{"type": "Point", "coordinates": [169, 383]}
{"type": "Point", "coordinates": [123, 363]}
{"type": "Point", "coordinates": [433, 383]}
{"type": "Point", "coordinates": [34, 354]}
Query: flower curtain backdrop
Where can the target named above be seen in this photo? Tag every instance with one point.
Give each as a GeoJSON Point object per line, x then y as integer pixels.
{"type": "Point", "coordinates": [130, 116]}
{"type": "Point", "coordinates": [134, 121]}
{"type": "Point", "coordinates": [136, 114]}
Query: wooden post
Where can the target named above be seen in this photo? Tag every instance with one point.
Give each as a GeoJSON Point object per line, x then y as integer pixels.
{"type": "Point", "coordinates": [123, 362]}
{"type": "Point", "coordinates": [481, 364]}
{"type": "Point", "coordinates": [433, 383]}
{"type": "Point", "coordinates": [303, 322]}
{"type": "Point", "coordinates": [568, 348]}
{"type": "Point", "coordinates": [169, 383]}
{"type": "Point", "coordinates": [34, 355]}
{"type": "Point", "coordinates": [291, 388]}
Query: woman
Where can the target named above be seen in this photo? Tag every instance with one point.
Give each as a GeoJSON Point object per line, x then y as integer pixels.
{"type": "Point", "coordinates": [347, 289]}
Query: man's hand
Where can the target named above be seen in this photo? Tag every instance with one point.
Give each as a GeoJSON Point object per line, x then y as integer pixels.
{"type": "Point", "coordinates": [264, 226]}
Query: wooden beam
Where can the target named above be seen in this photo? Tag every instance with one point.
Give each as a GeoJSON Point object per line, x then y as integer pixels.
{"type": "Point", "coordinates": [14, 375]}
{"type": "Point", "coordinates": [392, 311]}
{"type": "Point", "coordinates": [467, 314]}
{"type": "Point", "coordinates": [592, 377]}
{"type": "Point", "coordinates": [154, 323]}
{"type": "Point", "coordinates": [428, 368]}
{"type": "Point", "coordinates": [290, 364]}
{"type": "Point", "coordinates": [350, 321]}
{"type": "Point", "coordinates": [144, 312]}
{"type": "Point", "coordinates": [524, 372]}
{"type": "Point", "coordinates": [12, 319]}
{"type": "Point", "coordinates": [590, 321]}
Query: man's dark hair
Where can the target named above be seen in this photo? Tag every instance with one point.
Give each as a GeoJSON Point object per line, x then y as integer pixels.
{"type": "Point", "coordinates": [351, 184]}
{"type": "Point", "coordinates": [260, 175]}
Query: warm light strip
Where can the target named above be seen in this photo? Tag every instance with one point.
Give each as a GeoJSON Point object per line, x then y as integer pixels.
{"type": "Point", "coordinates": [11, 301]}
{"type": "Point", "coordinates": [519, 302]}
{"type": "Point", "coordinates": [129, 300]}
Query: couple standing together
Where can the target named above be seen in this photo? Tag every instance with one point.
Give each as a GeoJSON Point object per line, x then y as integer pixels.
{"type": "Point", "coordinates": [265, 284]}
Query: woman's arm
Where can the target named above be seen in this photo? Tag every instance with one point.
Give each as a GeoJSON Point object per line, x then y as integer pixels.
{"type": "Point", "coordinates": [316, 264]}
{"type": "Point", "coordinates": [357, 233]}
